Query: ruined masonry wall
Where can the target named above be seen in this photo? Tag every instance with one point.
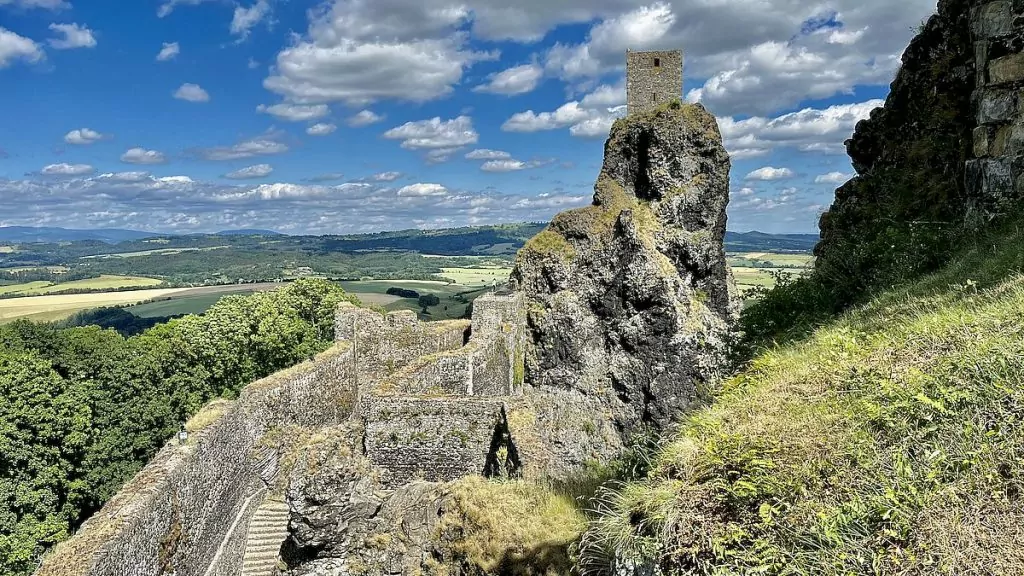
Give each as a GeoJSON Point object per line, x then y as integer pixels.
{"type": "Point", "coordinates": [176, 513]}
{"type": "Point", "coordinates": [432, 439]}
{"type": "Point", "coordinates": [187, 511]}
{"type": "Point", "coordinates": [995, 177]}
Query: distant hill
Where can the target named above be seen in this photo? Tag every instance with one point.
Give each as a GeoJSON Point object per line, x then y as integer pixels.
{"type": "Point", "coordinates": [762, 242]}
{"type": "Point", "coordinates": [30, 234]}
{"type": "Point", "coordinates": [496, 240]}
{"type": "Point", "coordinates": [248, 232]}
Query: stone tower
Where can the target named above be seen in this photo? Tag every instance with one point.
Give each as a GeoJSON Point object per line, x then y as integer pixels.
{"type": "Point", "coordinates": [653, 78]}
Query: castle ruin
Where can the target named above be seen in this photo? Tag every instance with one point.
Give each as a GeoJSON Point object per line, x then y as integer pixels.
{"type": "Point", "coordinates": [430, 397]}
{"type": "Point", "coordinates": [652, 79]}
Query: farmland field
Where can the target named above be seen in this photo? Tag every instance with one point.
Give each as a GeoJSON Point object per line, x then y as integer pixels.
{"type": "Point", "coordinates": [6, 249]}
{"type": "Point", "coordinates": [164, 251]}
{"type": "Point", "coordinates": [105, 282]}
{"type": "Point", "coordinates": [59, 306]}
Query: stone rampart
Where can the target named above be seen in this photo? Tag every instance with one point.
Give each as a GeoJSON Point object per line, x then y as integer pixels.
{"type": "Point", "coordinates": [182, 513]}
{"type": "Point", "coordinates": [188, 511]}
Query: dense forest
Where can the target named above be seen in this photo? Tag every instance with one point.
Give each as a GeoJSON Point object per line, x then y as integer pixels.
{"type": "Point", "coordinates": [82, 409]}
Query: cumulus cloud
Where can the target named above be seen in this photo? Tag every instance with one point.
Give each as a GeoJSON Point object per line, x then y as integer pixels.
{"type": "Point", "coordinates": [364, 118]}
{"type": "Point", "coordinates": [807, 130]}
{"type": "Point", "coordinates": [832, 178]}
{"type": "Point", "coordinates": [423, 190]}
{"type": "Point", "coordinates": [321, 129]}
{"type": "Point", "coordinates": [295, 112]}
{"type": "Point", "coordinates": [265, 145]}
{"type": "Point", "coordinates": [361, 51]}
{"type": "Point", "coordinates": [255, 171]}
{"type": "Point", "coordinates": [246, 18]}
{"type": "Point", "coordinates": [45, 4]}
{"type": "Point", "coordinates": [83, 136]}
{"type": "Point", "coordinates": [67, 170]}
{"type": "Point", "coordinates": [143, 156]}
{"type": "Point", "coordinates": [582, 122]}
{"type": "Point", "coordinates": [191, 93]}
{"type": "Point", "coordinates": [437, 139]}
{"type": "Point", "coordinates": [486, 154]}
{"type": "Point", "coordinates": [768, 173]}
{"type": "Point", "coordinates": [515, 80]}
{"type": "Point", "coordinates": [125, 176]}
{"type": "Point", "coordinates": [74, 36]}
{"type": "Point", "coordinates": [385, 177]}
{"type": "Point", "coordinates": [168, 52]}
{"type": "Point", "coordinates": [168, 6]}
{"type": "Point", "coordinates": [14, 47]}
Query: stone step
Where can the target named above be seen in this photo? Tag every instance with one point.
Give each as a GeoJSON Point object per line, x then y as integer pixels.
{"type": "Point", "coordinates": [267, 531]}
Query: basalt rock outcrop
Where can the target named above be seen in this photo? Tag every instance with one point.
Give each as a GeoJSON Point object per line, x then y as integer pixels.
{"type": "Point", "coordinates": [630, 301]}
{"type": "Point", "coordinates": [941, 160]}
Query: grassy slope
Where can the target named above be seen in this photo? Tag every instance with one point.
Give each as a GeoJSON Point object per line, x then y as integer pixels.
{"type": "Point", "coordinates": [889, 441]}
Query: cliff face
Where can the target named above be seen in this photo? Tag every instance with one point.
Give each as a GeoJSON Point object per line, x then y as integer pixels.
{"type": "Point", "coordinates": [630, 300]}
{"type": "Point", "coordinates": [943, 157]}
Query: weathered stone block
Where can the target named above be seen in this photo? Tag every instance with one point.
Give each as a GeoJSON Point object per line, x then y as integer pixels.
{"type": "Point", "coordinates": [997, 146]}
{"type": "Point", "coordinates": [996, 106]}
{"type": "Point", "coordinates": [981, 62]}
{"type": "Point", "coordinates": [1006, 69]}
{"type": "Point", "coordinates": [998, 178]}
{"type": "Point", "coordinates": [992, 19]}
{"type": "Point", "coordinates": [1014, 139]}
{"type": "Point", "coordinates": [981, 141]}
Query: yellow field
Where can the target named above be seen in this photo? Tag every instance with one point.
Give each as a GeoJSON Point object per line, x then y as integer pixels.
{"type": "Point", "coordinates": [477, 276]}
{"type": "Point", "coordinates": [104, 282]}
{"type": "Point", "coordinates": [164, 251]}
{"type": "Point", "coordinates": [24, 268]}
{"type": "Point", "coordinates": [6, 249]}
{"type": "Point", "coordinates": [15, 288]}
{"type": "Point", "coordinates": [56, 307]}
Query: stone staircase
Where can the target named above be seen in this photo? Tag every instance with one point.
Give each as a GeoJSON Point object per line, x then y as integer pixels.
{"type": "Point", "coordinates": [267, 531]}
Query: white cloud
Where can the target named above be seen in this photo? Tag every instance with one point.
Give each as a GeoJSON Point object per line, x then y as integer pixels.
{"type": "Point", "coordinates": [832, 178]}
{"type": "Point", "coordinates": [807, 130]}
{"type": "Point", "coordinates": [191, 93]}
{"type": "Point", "coordinates": [582, 122]}
{"type": "Point", "coordinates": [83, 136]}
{"type": "Point", "coordinates": [485, 154]}
{"type": "Point", "coordinates": [769, 173]}
{"type": "Point", "coordinates": [321, 129]}
{"type": "Point", "coordinates": [14, 47]}
{"type": "Point", "coordinates": [530, 121]}
{"type": "Point", "coordinates": [364, 118]}
{"type": "Point", "coordinates": [423, 190]}
{"type": "Point", "coordinates": [75, 36]}
{"type": "Point", "coordinates": [168, 6]}
{"type": "Point", "coordinates": [46, 4]}
{"type": "Point", "coordinates": [245, 18]}
{"type": "Point", "coordinates": [143, 156]}
{"type": "Point", "coordinates": [265, 145]}
{"type": "Point", "coordinates": [295, 112]}
{"type": "Point", "coordinates": [67, 170]}
{"type": "Point", "coordinates": [503, 165]}
{"type": "Point", "coordinates": [515, 80]}
{"type": "Point", "coordinates": [256, 171]}
{"type": "Point", "coordinates": [125, 176]}
{"type": "Point", "coordinates": [745, 192]}
{"type": "Point", "coordinates": [385, 177]}
{"type": "Point", "coordinates": [441, 136]}
{"type": "Point", "coordinates": [168, 52]}
{"type": "Point", "coordinates": [361, 51]}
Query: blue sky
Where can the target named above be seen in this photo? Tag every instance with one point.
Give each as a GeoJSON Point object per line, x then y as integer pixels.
{"type": "Point", "coordinates": [364, 115]}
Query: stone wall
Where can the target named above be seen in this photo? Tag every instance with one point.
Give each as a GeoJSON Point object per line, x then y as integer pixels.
{"type": "Point", "coordinates": [995, 177]}
{"type": "Point", "coordinates": [183, 510]}
{"type": "Point", "coordinates": [652, 79]}
{"type": "Point", "coordinates": [433, 439]}
{"type": "Point", "coordinates": [188, 510]}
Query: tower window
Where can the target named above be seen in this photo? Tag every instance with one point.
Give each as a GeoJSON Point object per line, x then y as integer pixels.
{"type": "Point", "coordinates": [657, 62]}
{"type": "Point", "coordinates": [654, 97]}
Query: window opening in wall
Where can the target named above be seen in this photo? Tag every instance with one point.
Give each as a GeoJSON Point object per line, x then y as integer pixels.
{"type": "Point", "coordinates": [654, 97]}
{"type": "Point", "coordinates": [657, 62]}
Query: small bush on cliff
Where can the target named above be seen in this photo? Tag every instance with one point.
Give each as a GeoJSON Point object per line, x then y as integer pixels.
{"type": "Point", "coordinates": [83, 409]}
